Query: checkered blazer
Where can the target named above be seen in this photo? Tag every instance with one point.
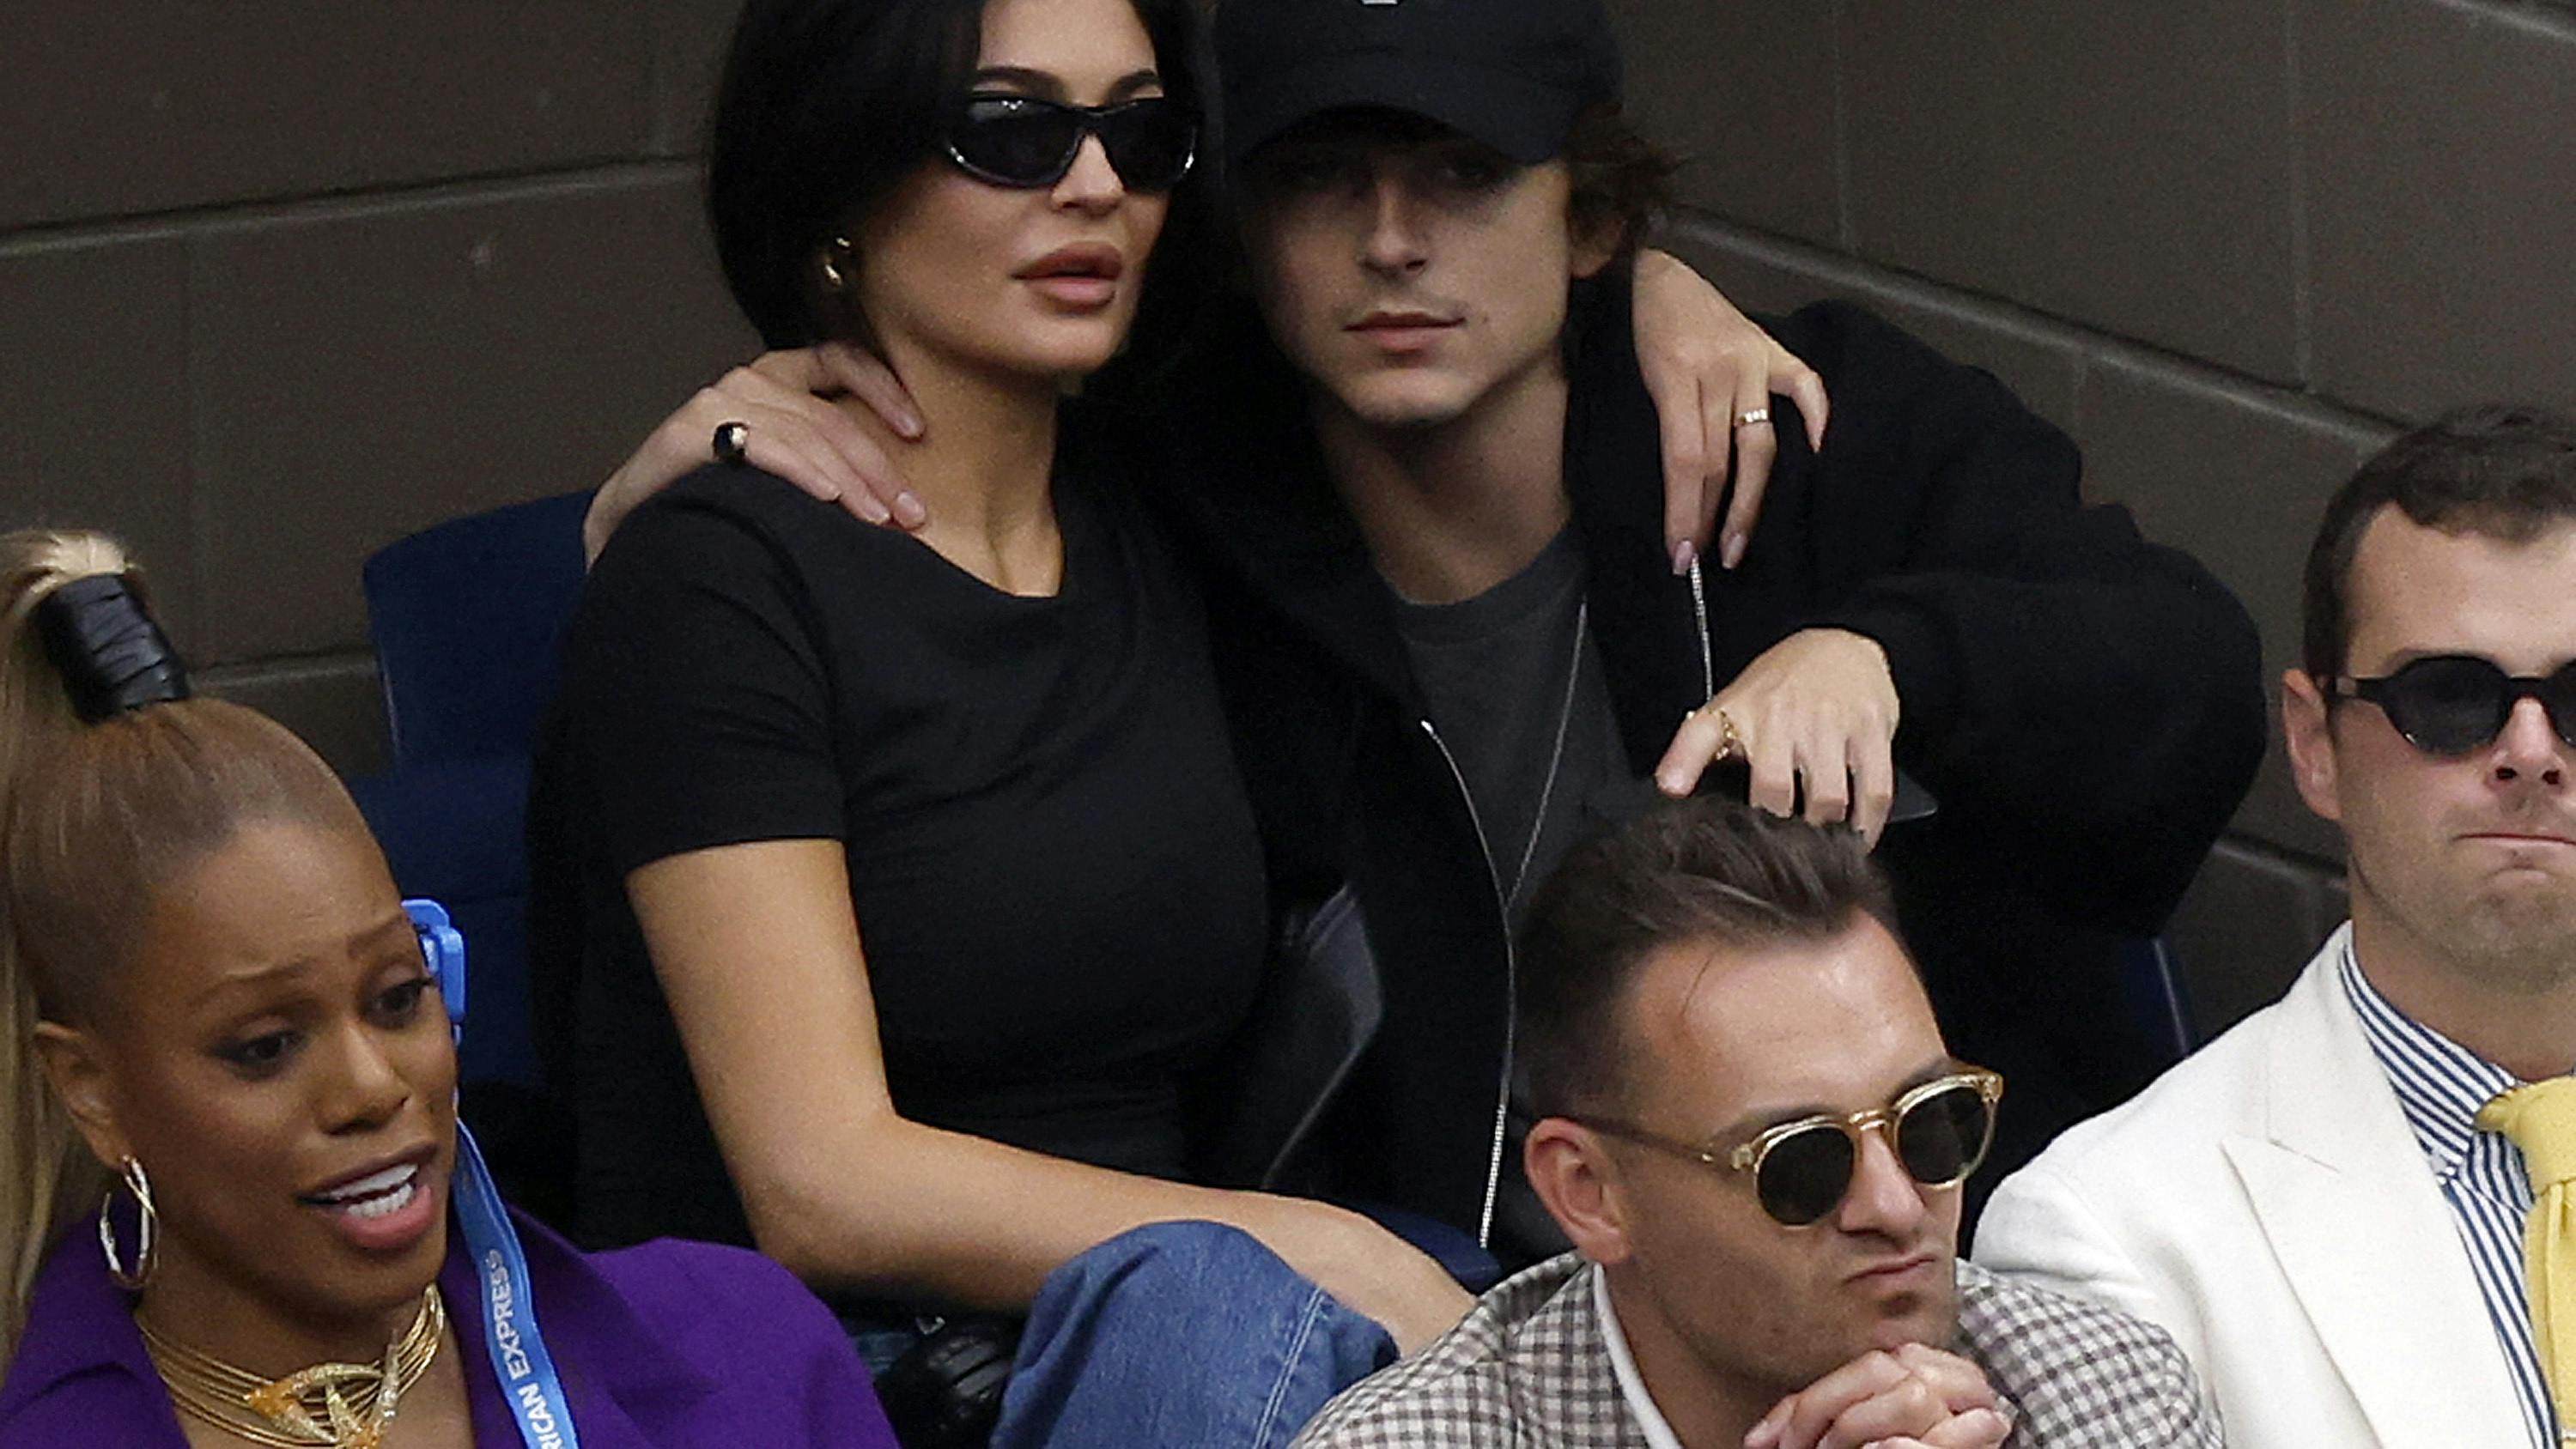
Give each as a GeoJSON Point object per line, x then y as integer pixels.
{"type": "Point", "coordinates": [1528, 1368]}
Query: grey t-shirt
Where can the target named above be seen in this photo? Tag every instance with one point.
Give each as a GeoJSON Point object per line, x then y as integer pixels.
{"type": "Point", "coordinates": [1496, 671]}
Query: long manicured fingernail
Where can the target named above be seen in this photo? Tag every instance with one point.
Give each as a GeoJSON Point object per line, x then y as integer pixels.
{"type": "Point", "coordinates": [1684, 553]}
{"type": "Point", "coordinates": [1731, 552]}
{"type": "Point", "coordinates": [909, 507]}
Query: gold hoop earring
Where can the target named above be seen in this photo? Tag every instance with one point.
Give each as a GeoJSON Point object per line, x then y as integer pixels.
{"type": "Point", "coordinates": [832, 276]}
{"type": "Point", "coordinates": [147, 1230]}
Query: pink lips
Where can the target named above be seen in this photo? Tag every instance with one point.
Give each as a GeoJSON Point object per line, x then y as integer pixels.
{"type": "Point", "coordinates": [1892, 1271]}
{"type": "Point", "coordinates": [2517, 837]}
{"type": "Point", "coordinates": [1402, 333]}
{"type": "Point", "coordinates": [1081, 277]}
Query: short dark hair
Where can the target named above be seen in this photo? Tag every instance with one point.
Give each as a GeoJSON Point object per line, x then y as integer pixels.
{"type": "Point", "coordinates": [827, 105]}
{"type": "Point", "coordinates": [1621, 179]}
{"type": "Point", "coordinates": [2506, 471]}
{"type": "Point", "coordinates": [1691, 870]}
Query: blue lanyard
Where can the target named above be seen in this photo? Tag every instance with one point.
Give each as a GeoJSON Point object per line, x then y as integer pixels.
{"type": "Point", "coordinates": [519, 1357]}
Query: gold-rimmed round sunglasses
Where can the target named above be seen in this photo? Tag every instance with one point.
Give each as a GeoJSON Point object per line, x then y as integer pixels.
{"type": "Point", "coordinates": [1940, 1131]}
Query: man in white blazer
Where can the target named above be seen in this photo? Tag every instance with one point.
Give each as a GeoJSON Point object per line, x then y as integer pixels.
{"type": "Point", "coordinates": [2307, 1204]}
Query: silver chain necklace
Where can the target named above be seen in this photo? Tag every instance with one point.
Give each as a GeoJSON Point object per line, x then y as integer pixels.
{"type": "Point", "coordinates": [1555, 759]}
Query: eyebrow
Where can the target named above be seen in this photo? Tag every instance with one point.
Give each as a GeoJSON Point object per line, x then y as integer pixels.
{"type": "Point", "coordinates": [239, 980]}
{"type": "Point", "coordinates": [2404, 657]}
{"type": "Point", "coordinates": [1755, 1123]}
{"type": "Point", "coordinates": [373, 936]}
{"type": "Point", "coordinates": [1047, 86]}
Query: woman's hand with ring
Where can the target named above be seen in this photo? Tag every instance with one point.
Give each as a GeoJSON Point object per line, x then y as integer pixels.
{"type": "Point", "coordinates": [1708, 369]}
{"type": "Point", "coordinates": [789, 425]}
{"type": "Point", "coordinates": [1813, 715]}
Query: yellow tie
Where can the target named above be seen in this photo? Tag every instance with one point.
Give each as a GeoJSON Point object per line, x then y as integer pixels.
{"type": "Point", "coordinates": [2540, 1117]}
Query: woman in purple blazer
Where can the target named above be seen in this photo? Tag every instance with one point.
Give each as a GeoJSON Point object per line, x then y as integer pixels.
{"type": "Point", "coordinates": [210, 986]}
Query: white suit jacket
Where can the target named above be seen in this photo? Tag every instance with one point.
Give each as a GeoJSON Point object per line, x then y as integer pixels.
{"type": "Point", "coordinates": [2266, 1203]}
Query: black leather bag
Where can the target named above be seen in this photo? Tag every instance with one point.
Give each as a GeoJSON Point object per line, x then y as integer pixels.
{"type": "Point", "coordinates": [946, 1391]}
{"type": "Point", "coordinates": [1318, 1010]}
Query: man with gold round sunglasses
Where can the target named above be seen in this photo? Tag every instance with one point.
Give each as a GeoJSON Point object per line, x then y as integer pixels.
{"type": "Point", "coordinates": [1755, 1137]}
{"type": "Point", "coordinates": [1939, 1129]}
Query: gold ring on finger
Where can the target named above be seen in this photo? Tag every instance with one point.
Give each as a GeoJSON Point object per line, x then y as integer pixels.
{"type": "Point", "coordinates": [1730, 744]}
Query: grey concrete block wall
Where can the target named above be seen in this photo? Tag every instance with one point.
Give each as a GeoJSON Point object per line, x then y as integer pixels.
{"type": "Point", "coordinates": [127, 106]}
{"type": "Point", "coordinates": [93, 399]}
{"type": "Point", "coordinates": [2117, 163]}
{"type": "Point", "coordinates": [360, 374]}
{"type": "Point", "coordinates": [2230, 245]}
{"type": "Point", "coordinates": [281, 282]}
{"type": "Point", "coordinates": [2441, 145]}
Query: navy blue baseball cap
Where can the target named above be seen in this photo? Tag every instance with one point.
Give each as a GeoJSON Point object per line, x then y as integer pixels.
{"type": "Point", "coordinates": [1510, 73]}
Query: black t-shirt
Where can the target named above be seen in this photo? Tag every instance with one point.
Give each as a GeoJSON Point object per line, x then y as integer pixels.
{"type": "Point", "coordinates": [1054, 866]}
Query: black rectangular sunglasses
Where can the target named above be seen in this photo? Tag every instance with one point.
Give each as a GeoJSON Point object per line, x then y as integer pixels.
{"type": "Point", "coordinates": [1029, 141]}
{"type": "Point", "coordinates": [2452, 704]}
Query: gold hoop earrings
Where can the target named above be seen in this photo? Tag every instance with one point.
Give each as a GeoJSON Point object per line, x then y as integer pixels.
{"type": "Point", "coordinates": [832, 274]}
{"type": "Point", "coordinates": [147, 1230]}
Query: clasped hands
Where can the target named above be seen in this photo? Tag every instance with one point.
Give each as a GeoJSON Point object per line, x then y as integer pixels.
{"type": "Point", "coordinates": [1914, 1397]}
{"type": "Point", "coordinates": [1814, 715]}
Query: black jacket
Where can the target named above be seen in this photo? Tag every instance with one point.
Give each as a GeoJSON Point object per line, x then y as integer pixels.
{"type": "Point", "coordinates": [2086, 707]}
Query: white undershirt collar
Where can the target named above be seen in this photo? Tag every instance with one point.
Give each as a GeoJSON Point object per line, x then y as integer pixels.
{"type": "Point", "coordinates": [1641, 1405]}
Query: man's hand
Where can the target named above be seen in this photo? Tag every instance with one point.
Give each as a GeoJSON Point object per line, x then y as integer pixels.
{"type": "Point", "coordinates": [1914, 1398]}
{"type": "Point", "coordinates": [1706, 365]}
{"type": "Point", "coordinates": [792, 429]}
{"type": "Point", "coordinates": [1817, 709]}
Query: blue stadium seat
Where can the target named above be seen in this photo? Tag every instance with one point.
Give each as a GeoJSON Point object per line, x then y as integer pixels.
{"type": "Point", "coordinates": [466, 618]}
{"type": "Point", "coordinates": [2158, 1001]}
{"type": "Point", "coordinates": [453, 831]}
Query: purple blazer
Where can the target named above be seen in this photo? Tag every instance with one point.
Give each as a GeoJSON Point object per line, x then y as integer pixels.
{"type": "Point", "coordinates": [673, 1345]}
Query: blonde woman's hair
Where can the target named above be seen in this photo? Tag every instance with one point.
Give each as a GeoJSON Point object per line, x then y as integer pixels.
{"type": "Point", "coordinates": [92, 818]}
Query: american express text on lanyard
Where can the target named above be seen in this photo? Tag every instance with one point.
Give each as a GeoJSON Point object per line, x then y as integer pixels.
{"type": "Point", "coordinates": [519, 1359]}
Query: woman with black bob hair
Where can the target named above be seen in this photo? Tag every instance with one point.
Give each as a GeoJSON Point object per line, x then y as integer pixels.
{"type": "Point", "coordinates": [826, 109]}
{"type": "Point", "coordinates": [895, 890]}
{"type": "Point", "coordinates": [235, 1205]}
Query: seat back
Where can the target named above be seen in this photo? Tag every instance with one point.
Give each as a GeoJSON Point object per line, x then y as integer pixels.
{"type": "Point", "coordinates": [2151, 979]}
{"type": "Point", "coordinates": [465, 618]}
{"type": "Point", "coordinates": [452, 831]}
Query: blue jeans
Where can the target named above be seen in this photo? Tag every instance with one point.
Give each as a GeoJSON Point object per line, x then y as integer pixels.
{"type": "Point", "coordinates": [1191, 1335]}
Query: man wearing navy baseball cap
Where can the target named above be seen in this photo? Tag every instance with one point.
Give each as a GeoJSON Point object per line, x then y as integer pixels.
{"type": "Point", "coordinates": [1455, 638]}
{"type": "Point", "coordinates": [1512, 73]}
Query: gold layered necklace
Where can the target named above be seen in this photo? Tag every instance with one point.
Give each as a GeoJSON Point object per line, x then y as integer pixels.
{"type": "Point", "coordinates": [328, 1406]}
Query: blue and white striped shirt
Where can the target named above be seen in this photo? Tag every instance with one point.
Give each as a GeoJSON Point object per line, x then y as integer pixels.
{"type": "Point", "coordinates": [2441, 1085]}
